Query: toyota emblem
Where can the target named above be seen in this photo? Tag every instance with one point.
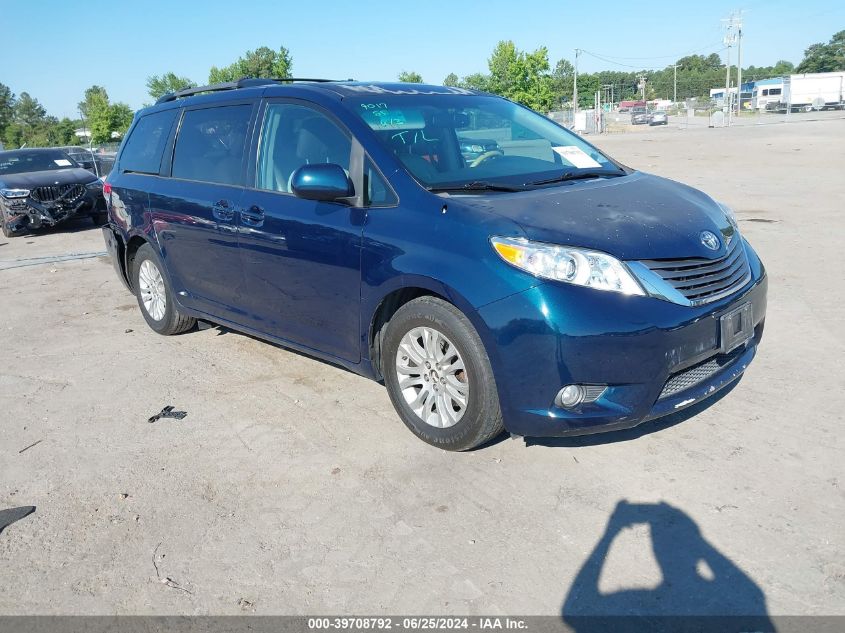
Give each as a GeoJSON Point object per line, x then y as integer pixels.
{"type": "Point", "coordinates": [710, 240]}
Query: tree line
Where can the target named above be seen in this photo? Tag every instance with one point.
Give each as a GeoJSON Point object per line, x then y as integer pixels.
{"type": "Point", "coordinates": [522, 76]}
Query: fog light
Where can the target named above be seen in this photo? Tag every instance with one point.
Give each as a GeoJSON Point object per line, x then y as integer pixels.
{"type": "Point", "coordinates": [570, 396]}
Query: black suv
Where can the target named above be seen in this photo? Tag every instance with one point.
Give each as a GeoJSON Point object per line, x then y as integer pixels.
{"type": "Point", "coordinates": [43, 187]}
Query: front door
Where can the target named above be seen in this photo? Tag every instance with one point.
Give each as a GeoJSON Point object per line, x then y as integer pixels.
{"type": "Point", "coordinates": [301, 258]}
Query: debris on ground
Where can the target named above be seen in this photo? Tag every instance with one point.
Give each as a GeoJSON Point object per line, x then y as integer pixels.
{"type": "Point", "coordinates": [26, 448]}
{"type": "Point", "coordinates": [128, 330]}
{"type": "Point", "coordinates": [246, 605]}
{"type": "Point", "coordinates": [7, 517]}
{"type": "Point", "coordinates": [166, 580]}
{"type": "Point", "coordinates": [168, 412]}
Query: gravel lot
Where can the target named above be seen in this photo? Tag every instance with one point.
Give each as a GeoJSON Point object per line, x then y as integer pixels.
{"type": "Point", "coordinates": [292, 487]}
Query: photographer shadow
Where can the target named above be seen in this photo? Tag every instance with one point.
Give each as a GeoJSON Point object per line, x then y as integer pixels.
{"type": "Point", "coordinates": [701, 589]}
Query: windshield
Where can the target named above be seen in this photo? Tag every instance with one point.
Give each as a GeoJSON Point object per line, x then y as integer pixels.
{"type": "Point", "coordinates": [453, 142]}
{"type": "Point", "coordinates": [22, 161]}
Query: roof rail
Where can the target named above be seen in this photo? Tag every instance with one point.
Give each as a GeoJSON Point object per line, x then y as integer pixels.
{"type": "Point", "coordinates": [243, 82]}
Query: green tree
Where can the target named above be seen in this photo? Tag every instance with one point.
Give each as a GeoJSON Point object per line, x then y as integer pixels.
{"type": "Point", "coordinates": [476, 81]}
{"type": "Point", "coordinates": [121, 118]}
{"type": "Point", "coordinates": [410, 77]}
{"type": "Point", "coordinates": [28, 121]}
{"type": "Point", "coordinates": [451, 80]}
{"type": "Point", "coordinates": [64, 131]}
{"type": "Point", "coordinates": [7, 108]}
{"type": "Point", "coordinates": [824, 58]}
{"type": "Point", "coordinates": [159, 85]}
{"type": "Point", "coordinates": [94, 97]}
{"type": "Point", "coordinates": [262, 62]}
{"type": "Point", "coordinates": [562, 80]}
{"type": "Point", "coordinates": [522, 77]}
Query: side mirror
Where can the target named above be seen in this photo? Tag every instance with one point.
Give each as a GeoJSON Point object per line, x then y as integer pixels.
{"type": "Point", "coordinates": [323, 181]}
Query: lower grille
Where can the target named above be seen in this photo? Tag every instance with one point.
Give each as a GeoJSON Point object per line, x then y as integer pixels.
{"type": "Point", "coordinates": [704, 280]}
{"type": "Point", "coordinates": [54, 193]}
{"type": "Point", "coordinates": [699, 373]}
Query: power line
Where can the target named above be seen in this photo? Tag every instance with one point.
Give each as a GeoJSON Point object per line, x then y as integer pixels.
{"type": "Point", "coordinates": [697, 50]}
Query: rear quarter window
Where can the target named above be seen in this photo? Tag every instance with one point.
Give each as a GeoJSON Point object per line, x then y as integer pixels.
{"type": "Point", "coordinates": [145, 145]}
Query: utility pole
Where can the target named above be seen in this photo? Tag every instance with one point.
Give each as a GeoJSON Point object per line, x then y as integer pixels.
{"type": "Point", "coordinates": [675, 93]}
{"type": "Point", "coordinates": [730, 38]}
{"type": "Point", "coordinates": [739, 62]}
{"type": "Point", "coordinates": [575, 83]}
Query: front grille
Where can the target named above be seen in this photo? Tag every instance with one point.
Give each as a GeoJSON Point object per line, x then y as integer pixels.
{"type": "Point", "coordinates": [694, 375]}
{"type": "Point", "coordinates": [53, 193]}
{"type": "Point", "coordinates": [703, 280]}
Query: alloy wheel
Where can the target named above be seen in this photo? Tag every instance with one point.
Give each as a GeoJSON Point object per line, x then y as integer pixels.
{"type": "Point", "coordinates": [432, 377]}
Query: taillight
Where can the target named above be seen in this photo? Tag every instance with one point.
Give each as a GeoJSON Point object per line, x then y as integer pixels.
{"type": "Point", "coordinates": [107, 194]}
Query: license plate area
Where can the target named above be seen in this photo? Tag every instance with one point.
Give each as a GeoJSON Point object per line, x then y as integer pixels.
{"type": "Point", "coordinates": [736, 327]}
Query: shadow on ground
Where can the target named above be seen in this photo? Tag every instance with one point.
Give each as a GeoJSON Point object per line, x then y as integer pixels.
{"type": "Point", "coordinates": [7, 517]}
{"type": "Point", "coordinates": [701, 589]}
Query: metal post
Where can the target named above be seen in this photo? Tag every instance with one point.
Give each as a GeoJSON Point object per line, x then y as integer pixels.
{"type": "Point", "coordinates": [739, 68]}
{"type": "Point", "coordinates": [675, 93]}
{"type": "Point", "coordinates": [575, 83]}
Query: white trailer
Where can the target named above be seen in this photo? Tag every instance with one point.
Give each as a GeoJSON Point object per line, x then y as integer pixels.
{"type": "Point", "coordinates": [813, 91]}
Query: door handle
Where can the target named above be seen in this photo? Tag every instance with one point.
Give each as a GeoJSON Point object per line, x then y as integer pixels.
{"type": "Point", "coordinates": [254, 216]}
{"type": "Point", "coordinates": [222, 211]}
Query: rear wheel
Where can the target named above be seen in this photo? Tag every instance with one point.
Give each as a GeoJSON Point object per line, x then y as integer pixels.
{"type": "Point", "coordinates": [155, 297]}
{"type": "Point", "coordinates": [439, 377]}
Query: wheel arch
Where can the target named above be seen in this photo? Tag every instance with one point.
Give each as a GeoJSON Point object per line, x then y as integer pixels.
{"type": "Point", "coordinates": [394, 297]}
{"type": "Point", "coordinates": [133, 243]}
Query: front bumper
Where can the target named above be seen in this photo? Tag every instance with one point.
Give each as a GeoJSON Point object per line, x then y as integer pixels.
{"type": "Point", "coordinates": [27, 213]}
{"type": "Point", "coordinates": [554, 334]}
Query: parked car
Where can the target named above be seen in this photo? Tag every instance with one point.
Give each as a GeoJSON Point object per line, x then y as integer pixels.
{"type": "Point", "coordinates": [548, 290]}
{"type": "Point", "coordinates": [658, 118]}
{"type": "Point", "coordinates": [98, 163]}
{"type": "Point", "coordinates": [639, 116]}
{"type": "Point", "coordinates": [43, 187]}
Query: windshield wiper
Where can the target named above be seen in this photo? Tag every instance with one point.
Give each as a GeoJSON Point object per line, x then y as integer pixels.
{"type": "Point", "coordinates": [576, 175]}
{"type": "Point", "coordinates": [478, 185]}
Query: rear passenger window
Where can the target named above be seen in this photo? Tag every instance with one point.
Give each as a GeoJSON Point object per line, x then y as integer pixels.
{"type": "Point", "coordinates": [144, 147]}
{"type": "Point", "coordinates": [210, 145]}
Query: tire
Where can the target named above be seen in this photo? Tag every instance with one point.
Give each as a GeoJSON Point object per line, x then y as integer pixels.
{"type": "Point", "coordinates": [454, 424]}
{"type": "Point", "coordinates": [152, 289]}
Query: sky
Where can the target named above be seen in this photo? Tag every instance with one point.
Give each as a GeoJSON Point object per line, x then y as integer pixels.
{"type": "Point", "coordinates": [64, 46]}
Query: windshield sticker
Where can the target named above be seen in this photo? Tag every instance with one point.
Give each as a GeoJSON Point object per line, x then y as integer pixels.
{"type": "Point", "coordinates": [62, 162]}
{"type": "Point", "coordinates": [387, 119]}
{"type": "Point", "coordinates": [576, 156]}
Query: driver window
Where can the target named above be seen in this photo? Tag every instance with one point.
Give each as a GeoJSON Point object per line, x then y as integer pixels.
{"type": "Point", "coordinates": [295, 135]}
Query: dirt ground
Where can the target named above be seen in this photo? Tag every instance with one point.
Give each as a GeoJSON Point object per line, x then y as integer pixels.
{"type": "Point", "coordinates": [291, 487]}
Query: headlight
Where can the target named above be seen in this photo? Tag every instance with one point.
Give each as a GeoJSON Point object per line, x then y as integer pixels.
{"type": "Point", "coordinates": [14, 193]}
{"type": "Point", "coordinates": [729, 213]}
{"type": "Point", "coordinates": [571, 265]}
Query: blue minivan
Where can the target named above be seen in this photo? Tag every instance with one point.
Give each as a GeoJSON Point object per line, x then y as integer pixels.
{"type": "Point", "coordinates": [493, 269]}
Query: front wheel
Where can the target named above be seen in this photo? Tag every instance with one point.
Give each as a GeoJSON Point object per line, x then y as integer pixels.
{"type": "Point", "coordinates": [155, 297]}
{"type": "Point", "coordinates": [439, 377]}
{"type": "Point", "coordinates": [8, 231]}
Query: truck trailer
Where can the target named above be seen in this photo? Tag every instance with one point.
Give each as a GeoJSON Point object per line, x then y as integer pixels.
{"type": "Point", "coordinates": [811, 91]}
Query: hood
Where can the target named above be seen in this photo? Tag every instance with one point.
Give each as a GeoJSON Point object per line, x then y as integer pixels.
{"type": "Point", "coordinates": [638, 216]}
{"type": "Point", "coordinates": [29, 180]}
